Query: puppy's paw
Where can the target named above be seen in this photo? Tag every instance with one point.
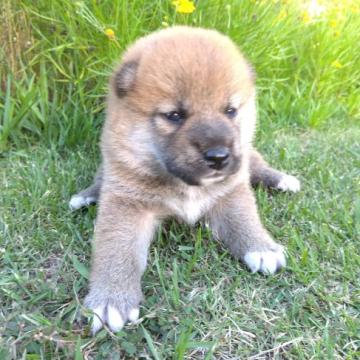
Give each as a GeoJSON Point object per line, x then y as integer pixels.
{"type": "Point", "coordinates": [111, 312]}
{"type": "Point", "coordinates": [79, 201]}
{"type": "Point", "coordinates": [110, 315]}
{"type": "Point", "coordinates": [266, 261]}
{"type": "Point", "coordinates": [288, 183]}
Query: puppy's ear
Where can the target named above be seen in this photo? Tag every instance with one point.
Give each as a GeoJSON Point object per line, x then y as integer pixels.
{"type": "Point", "coordinates": [124, 78]}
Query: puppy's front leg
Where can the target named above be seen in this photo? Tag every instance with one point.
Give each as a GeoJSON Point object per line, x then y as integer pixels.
{"type": "Point", "coordinates": [235, 221]}
{"type": "Point", "coordinates": [122, 237]}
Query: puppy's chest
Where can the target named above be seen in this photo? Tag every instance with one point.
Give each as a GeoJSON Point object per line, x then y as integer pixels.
{"type": "Point", "coordinates": [191, 205]}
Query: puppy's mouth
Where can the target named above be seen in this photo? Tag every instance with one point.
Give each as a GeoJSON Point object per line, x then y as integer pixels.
{"type": "Point", "coordinates": [202, 174]}
{"type": "Point", "coordinates": [216, 177]}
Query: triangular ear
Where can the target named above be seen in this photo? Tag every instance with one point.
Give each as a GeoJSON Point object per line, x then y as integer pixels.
{"type": "Point", "coordinates": [124, 78]}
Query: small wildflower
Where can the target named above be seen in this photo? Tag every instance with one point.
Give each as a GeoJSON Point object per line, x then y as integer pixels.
{"type": "Point", "coordinates": [306, 18]}
{"type": "Point", "coordinates": [184, 6]}
{"type": "Point", "coordinates": [228, 7]}
{"type": "Point", "coordinates": [337, 33]}
{"type": "Point", "coordinates": [333, 23]}
{"type": "Point", "coordinates": [337, 64]}
{"type": "Point", "coordinates": [165, 24]}
{"type": "Point", "coordinates": [110, 34]}
{"type": "Point", "coordinates": [354, 9]}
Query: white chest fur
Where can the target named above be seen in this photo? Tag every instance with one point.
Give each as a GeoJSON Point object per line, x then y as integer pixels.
{"type": "Point", "coordinates": [191, 206]}
{"type": "Point", "coordinates": [196, 201]}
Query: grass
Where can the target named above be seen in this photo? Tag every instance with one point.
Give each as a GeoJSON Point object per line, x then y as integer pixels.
{"type": "Point", "coordinates": [200, 302]}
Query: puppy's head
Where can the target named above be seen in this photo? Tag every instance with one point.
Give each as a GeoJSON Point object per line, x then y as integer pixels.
{"type": "Point", "coordinates": [182, 104]}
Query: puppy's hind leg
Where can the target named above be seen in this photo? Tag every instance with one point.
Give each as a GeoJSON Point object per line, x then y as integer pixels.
{"type": "Point", "coordinates": [90, 195]}
{"type": "Point", "coordinates": [262, 172]}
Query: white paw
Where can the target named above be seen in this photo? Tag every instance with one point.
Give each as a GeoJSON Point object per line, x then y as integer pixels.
{"type": "Point", "coordinates": [134, 315]}
{"type": "Point", "coordinates": [109, 315]}
{"type": "Point", "coordinates": [76, 201]}
{"type": "Point", "coordinates": [267, 261]}
{"type": "Point", "coordinates": [289, 183]}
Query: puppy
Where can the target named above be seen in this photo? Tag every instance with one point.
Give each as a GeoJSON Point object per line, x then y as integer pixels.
{"type": "Point", "coordinates": [177, 141]}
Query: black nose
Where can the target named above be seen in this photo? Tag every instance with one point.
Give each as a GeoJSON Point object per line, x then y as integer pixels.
{"type": "Point", "coordinates": [217, 158]}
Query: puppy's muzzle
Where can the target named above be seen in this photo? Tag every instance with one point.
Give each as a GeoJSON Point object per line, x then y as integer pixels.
{"type": "Point", "coordinates": [214, 139]}
{"type": "Point", "coordinates": [217, 158]}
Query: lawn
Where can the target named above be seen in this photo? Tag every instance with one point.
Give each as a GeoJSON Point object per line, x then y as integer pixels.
{"type": "Point", "coordinates": [200, 302]}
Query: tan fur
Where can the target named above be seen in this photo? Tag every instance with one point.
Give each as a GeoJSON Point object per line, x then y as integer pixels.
{"type": "Point", "coordinates": [153, 168]}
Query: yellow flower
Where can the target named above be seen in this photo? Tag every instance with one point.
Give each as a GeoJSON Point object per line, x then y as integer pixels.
{"type": "Point", "coordinates": [354, 9]}
{"type": "Point", "coordinates": [337, 64]}
{"type": "Point", "coordinates": [184, 6]}
{"type": "Point", "coordinates": [333, 23]}
{"type": "Point", "coordinates": [337, 33]}
{"type": "Point", "coordinates": [165, 24]}
{"type": "Point", "coordinates": [110, 34]}
{"type": "Point", "coordinates": [306, 17]}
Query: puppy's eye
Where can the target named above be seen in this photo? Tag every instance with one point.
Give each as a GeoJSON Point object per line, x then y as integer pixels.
{"type": "Point", "coordinates": [231, 112]}
{"type": "Point", "coordinates": [175, 116]}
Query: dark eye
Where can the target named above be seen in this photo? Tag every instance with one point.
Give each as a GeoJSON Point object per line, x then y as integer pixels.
{"type": "Point", "coordinates": [231, 112]}
{"type": "Point", "coordinates": [175, 116]}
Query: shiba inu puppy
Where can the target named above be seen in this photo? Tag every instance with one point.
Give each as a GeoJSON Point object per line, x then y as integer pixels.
{"type": "Point", "coordinates": [177, 141]}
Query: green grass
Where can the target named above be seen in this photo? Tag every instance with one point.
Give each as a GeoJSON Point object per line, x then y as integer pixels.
{"type": "Point", "coordinates": [200, 302]}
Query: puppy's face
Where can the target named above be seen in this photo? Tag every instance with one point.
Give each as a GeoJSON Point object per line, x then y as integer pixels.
{"type": "Point", "coordinates": [187, 101]}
